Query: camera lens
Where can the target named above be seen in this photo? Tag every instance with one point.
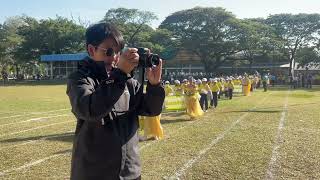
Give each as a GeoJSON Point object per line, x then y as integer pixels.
{"type": "Point", "coordinates": [154, 60]}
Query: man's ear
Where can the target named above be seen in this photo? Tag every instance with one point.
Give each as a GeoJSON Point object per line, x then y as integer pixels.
{"type": "Point", "coordinates": [91, 49]}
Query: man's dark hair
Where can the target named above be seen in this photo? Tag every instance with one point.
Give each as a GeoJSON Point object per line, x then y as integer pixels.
{"type": "Point", "coordinates": [97, 33]}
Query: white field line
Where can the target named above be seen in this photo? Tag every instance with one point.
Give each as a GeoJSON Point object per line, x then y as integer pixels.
{"type": "Point", "coordinates": [191, 122]}
{"type": "Point", "coordinates": [32, 113]}
{"type": "Point", "coordinates": [32, 163]}
{"type": "Point", "coordinates": [38, 140]}
{"type": "Point", "coordinates": [40, 127]}
{"type": "Point", "coordinates": [278, 141]}
{"type": "Point", "coordinates": [181, 171]}
{"type": "Point", "coordinates": [35, 119]}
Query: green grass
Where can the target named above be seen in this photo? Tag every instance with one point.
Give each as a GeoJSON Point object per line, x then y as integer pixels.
{"type": "Point", "coordinates": [235, 141]}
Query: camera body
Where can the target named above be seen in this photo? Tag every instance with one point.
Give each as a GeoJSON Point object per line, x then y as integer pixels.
{"type": "Point", "coordinates": [147, 59]}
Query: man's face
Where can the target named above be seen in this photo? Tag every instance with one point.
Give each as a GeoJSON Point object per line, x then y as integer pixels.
{"type": "Point", "coordinates": [100, 52]}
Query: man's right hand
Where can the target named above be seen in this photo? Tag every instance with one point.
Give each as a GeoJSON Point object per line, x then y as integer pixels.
{"type": "Point", "coordinates": [129, 59]}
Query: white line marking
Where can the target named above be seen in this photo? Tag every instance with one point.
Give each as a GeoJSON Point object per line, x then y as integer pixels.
{"type": "Point", "coordinates": [190, 163]}
{"type": "Point", "coordinates": [34, 119]}
{"type": "Point", "coordinates": [40, 127]}
{"type": "Point", "coordinates": [38, 140]}
{"type": "Point", "coordinates": [278, 142]}
{"type": "Point", "coordinates": [32, 163]}
{"type": "Point", "coordinates": [32, 113]}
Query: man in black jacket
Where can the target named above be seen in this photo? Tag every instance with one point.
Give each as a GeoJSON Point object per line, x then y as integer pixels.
{"type": "Point", "coordinates": [106, 101]}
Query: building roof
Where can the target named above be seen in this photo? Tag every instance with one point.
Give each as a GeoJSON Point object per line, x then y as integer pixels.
{"type": "Point", "coordinates": [311, 67]}
{"type": "Point", "coordinates": [63, 57]}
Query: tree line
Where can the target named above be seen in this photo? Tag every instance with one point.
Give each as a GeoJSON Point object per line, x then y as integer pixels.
{"type": "Point", "coordinates": [216, 35]}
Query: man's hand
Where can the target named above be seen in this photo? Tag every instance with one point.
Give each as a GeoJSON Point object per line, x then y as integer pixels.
{"type": "Point", "coordinates": [129, 59]}
{"type": "Point", "coordinates": [154, 74]}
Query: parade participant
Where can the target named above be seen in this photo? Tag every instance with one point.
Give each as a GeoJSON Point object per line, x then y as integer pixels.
{"type": "Point", "coordinates": [168, 89]}
{"type": "Point", "coordinates": [220, 85]}
{"type": "Point", "coordinates": [204, 90]}
{"type": "Point", "coordinates": [225, 85]}
{"type": "Point", "coordinates": [215, 91]}
{"type": "Point", "coordinates": [193, 107]}
{"type": "Point", "coordinates": [309, 81]}
{"type": "Point", "coordinates": [152, 128]}
{"type": "Point", "coordinates": [265, 82]}
{"type": "Point", "coordinates": [246, 85]}
{"type": "Point", "coordinates": [230, 86]}
{"type": "Point", "coordinates": [178, 88]}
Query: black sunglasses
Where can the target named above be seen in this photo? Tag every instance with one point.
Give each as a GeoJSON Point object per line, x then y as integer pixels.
{"type": "Point", "coordinates": [109, 52]}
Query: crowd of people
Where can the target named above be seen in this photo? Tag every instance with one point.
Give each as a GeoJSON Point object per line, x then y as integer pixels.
{"type": "Point", "coordinates": [199, 95]}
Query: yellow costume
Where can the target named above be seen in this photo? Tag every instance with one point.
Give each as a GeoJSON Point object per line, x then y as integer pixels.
{"type": "Point", "coordinates": [214, 87]}
{"type": "Point", "coordinates": [141, 123]}
{"type": "Point", "coordinates": [204, 88]}
{"type": "Point", "coordinates": [152, 127]}
{"type": "Point", "coordinates": [192, 103]}
{"type": "Point", "coordinates": [230, 85]}
{"type": "Point", "coordinates": [246, 86]}
{"type": "Point", "coordinates": [168, 89]}
{"type": "Point", "coordinates": [178, 90]}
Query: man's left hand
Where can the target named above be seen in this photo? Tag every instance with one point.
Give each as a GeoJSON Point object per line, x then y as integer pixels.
{"type": "Point", "coordinates": [154, 74]}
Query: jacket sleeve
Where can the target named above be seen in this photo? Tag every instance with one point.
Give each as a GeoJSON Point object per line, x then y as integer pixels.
{"type": "Point", "coordinates": [93, 103]}
{"type": "Point", "coordinates": [152, 100]}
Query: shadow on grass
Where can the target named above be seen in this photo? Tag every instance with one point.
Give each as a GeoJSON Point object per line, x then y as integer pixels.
{"type": "Point", "coordinates": [174, 114]}
{"type": "Point", "coordinates": [165, 121]}
{"type": "Point", "coordinates": [64, 137]}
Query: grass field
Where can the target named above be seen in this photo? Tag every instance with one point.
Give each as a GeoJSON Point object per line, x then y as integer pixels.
{"type": "Point", "coordinates": [268, 135]}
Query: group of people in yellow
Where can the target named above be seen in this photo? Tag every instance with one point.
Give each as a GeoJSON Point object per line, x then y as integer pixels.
{"type": "Point", "coordinates": [196, 95]}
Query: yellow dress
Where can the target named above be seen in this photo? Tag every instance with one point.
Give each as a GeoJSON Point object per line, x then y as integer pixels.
{"type": "Point", "coordinates": [246, 86]}
{"type": "Point", "coordinates": [141, 123]}
{"type": "Point", "coordinates": [193, 107]}
{"type": "Point", "coordinates": [168, 90]}
{"type": "Point", "coordinates": [152, 127]}
{"type": "Point", "coordinates": [178, 90]}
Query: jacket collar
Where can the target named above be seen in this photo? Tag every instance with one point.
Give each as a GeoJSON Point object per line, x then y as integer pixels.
{"type": "Point", "coordinates": [96, 68]}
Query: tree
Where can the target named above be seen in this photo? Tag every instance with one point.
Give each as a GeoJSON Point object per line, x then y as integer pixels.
{"type": "Point", "coordinates": [10, 41]}
{"type": "Point", "coordinates": [163, 43]}
{"type": "Point", "coordinates": [2, 47]}
{"type": "Point", "coordinates": [211, 33]}
{"type": "Point", "coordinates": [296, 31]}
{"type": "Point", "coordinates": [49, 36]}
{"type": "Point", "coordinates": [308, 56]}
{"type": "Point", "coordinates": [131, 22]}
{"type": "Point", "coordinates": [256, 39]}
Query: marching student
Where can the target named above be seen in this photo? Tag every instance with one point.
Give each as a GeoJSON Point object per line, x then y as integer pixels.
{"type": "Point", "coordinates": [215, 91]}
{"type": "Point", "coordinates": [204, 90]}
{"type": "Point", "coordinates": [230, 86]}
{"type": "Point", "coordinates": [193, 107]}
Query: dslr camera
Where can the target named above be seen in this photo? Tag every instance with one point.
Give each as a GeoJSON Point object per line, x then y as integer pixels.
{"type": "Point", "coordinates": [147, 59]}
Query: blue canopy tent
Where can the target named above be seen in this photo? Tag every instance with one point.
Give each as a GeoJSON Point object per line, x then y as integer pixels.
{"type": "Point", "coordinates": [61, 65]}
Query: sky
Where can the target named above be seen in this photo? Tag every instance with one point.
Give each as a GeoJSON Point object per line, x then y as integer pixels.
{"type": "Point", "coordinates": [92, 11]}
